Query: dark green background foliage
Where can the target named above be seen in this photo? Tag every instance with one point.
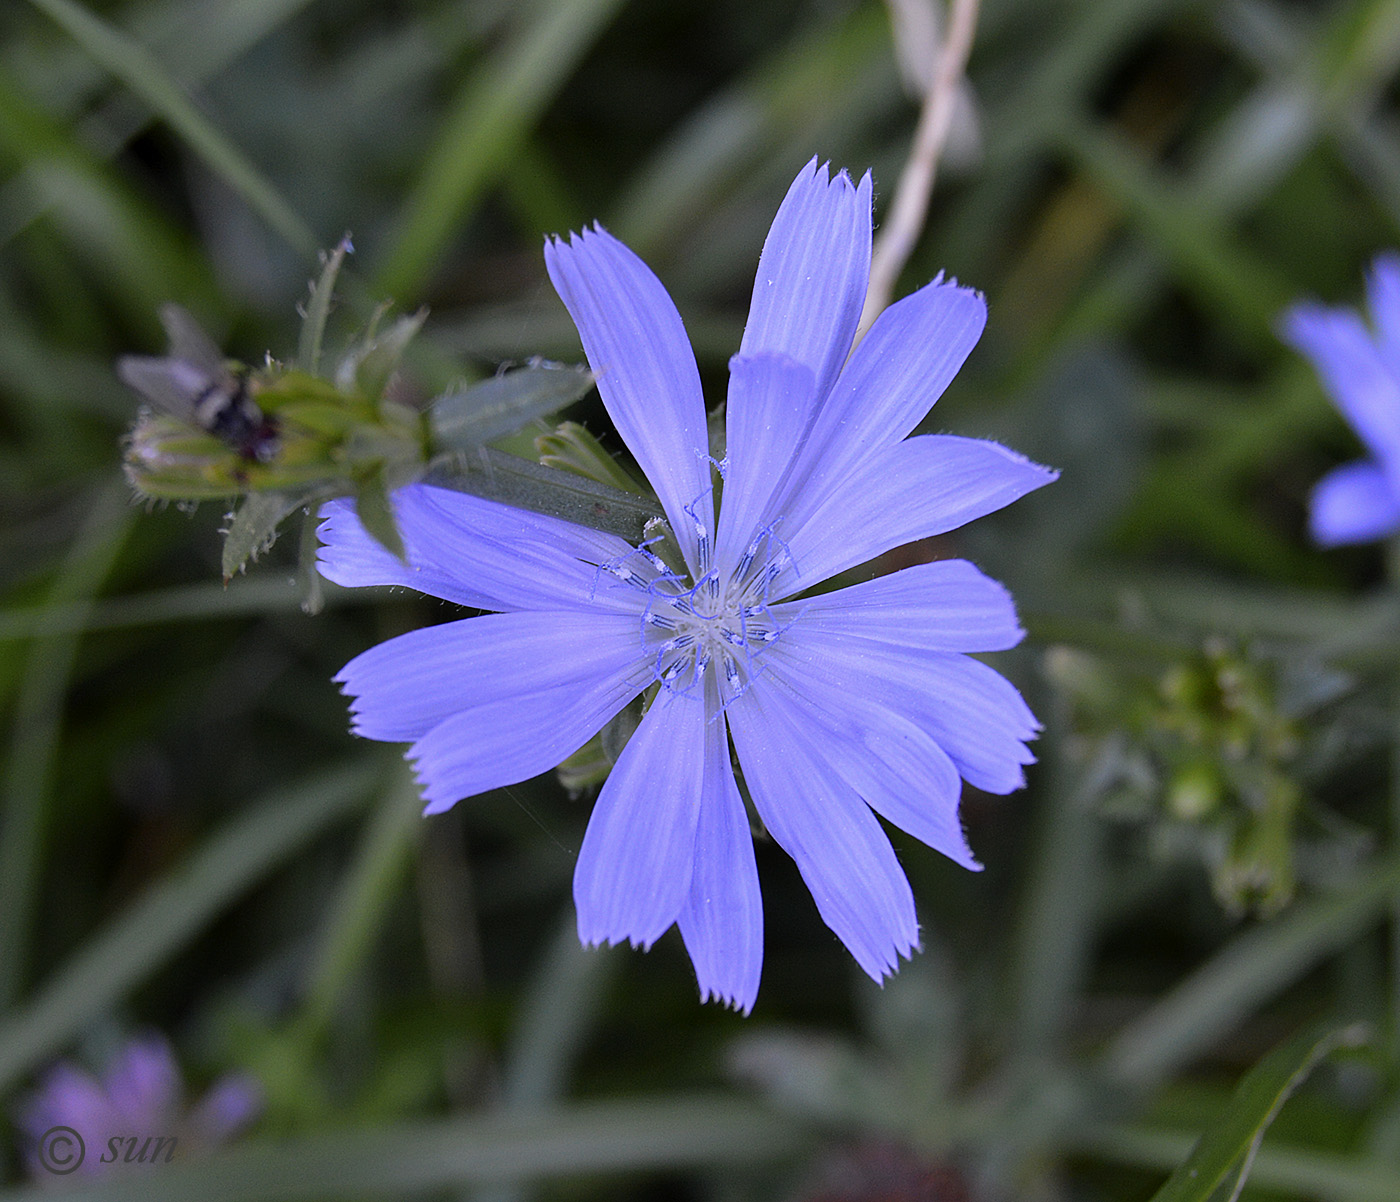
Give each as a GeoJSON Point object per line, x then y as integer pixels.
{"type": "Point", "coordinates": [1204, 862]}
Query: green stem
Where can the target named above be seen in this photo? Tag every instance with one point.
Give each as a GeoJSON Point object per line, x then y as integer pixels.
{"type": "Point", "coordinates": [1058, 915]}
{"type": "Point", "coordinates": [558, 1011]}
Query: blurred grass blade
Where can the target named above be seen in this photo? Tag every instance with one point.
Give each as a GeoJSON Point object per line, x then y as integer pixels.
{"type": "Point", "coordinates": [602, 1137]}
{"type": "Point", "coordinates": [208, 37]}
{"type": "Point", "coordinates": [1292, 1171]}
{"type": "Point", "coordinates": [186, 603]}
{"type": "Point", "coordinates": [1247, 972]}
{"type": "Point", "coordinates": [144, 259]}
{"type": "Point", "coordinates": [494, 110]}
{"type": "Point", "coordinates": [773, 112]}
{"type": "Point", "coordinates": [1218, 1167]}
{"type": "Point", "coordinates": [1235, 287]}
{"type": "Point", "coordinates": [34, 738]}
{"type": "Point", "coordinates": [552, 1025]}
{"type": "Point", "coordinates": [201, 36]}
{"type": "Point", "coordinates": [356, 916]}
{"type": "Point", "coordinates": [138, 69]}
{"type": "Point", "coordinates": [172, 912]}
{"type": "Point", "coordinates": [563, 999]}
{"type": "Point", "coordinates": [1061, 907]}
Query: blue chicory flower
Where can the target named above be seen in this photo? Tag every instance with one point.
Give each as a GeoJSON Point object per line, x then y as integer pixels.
{"type": "Point", "coordinates": [841, 705]}
{"type": "Point", "coordinates": [139, 1101]}
{"type": "Point", "coordinates": [1360, 501]}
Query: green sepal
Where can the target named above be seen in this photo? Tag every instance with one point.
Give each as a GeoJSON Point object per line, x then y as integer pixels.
{"type": "Point", "coordinates": [620, 728]}
{"type": "Point", "coordinates": [589, 766]}
{"type": "Point", "coordinates": [717, 432]}
{"type": "Point", "coordinates": [170, 460]}
{"type": "Point", "coordinates": [313, 596]}
{"type": "Point", "coordinates": [586, 769]}
{"type": "Point", "coordinates": [221, 473]}
{"type": "Point", "coordinates": [571, 448]}
{"type": "Point", "coordinates": [376, 513]}
{"type": "Point", "coordinates": [254, 526]}
{"type": "Point", "coordinates": [368, 367]}
{"type": "Point", "coordinates": [484, 412]}
{"type": "Point", "coordinates": [717, 435]}
{"type": "Point", "coordinates": [390, 450]}
{"type": "Point", "coordinates": [318, 308]}
{"type": "Point", "coordinates": [661, 541]}
{"type": "Point", "coordinates": [310, 402]}
{"type": "Point", "coordinates": [1257, 872]}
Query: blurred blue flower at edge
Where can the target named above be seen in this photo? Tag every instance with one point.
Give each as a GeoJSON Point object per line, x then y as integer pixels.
{"type": "Point", "coordinates": [1358, 502]}
{"type": "Point", "coordinates": [857, 700]}
{"type": "Point", "coordinates": [141, 1096]}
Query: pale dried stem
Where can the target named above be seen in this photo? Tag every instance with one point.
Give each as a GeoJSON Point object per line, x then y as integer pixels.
{"type": "Point", "coordinates": [905, 220]}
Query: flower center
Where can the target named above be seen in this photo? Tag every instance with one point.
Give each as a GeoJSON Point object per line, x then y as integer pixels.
{"type": "Point", "coordinates": [722, 621]}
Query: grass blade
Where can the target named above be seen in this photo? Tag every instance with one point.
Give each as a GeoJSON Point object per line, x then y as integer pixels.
{"type": "Point", "coordinates": [1219, 1165]}
{"type": "Point", "coordinates": [1225, 990]}
{"type": "Point", "coordinates": [34, 740]}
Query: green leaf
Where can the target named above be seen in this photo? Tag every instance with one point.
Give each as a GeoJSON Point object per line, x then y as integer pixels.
{"type": "Point", "coordinates": [496, 476]}
{"type": "Point", "coordinates": [1216, 1170]}
{"type": "Point", "coordinates": [463, 420]}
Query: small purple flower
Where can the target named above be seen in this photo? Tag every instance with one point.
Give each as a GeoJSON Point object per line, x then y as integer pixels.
{"type": "Point", "coordinates": [841, 705]}
{"type": "Point", "coordinates": [1360, 501]}
{"type": "Point", "coordinates": [135, 1115]}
